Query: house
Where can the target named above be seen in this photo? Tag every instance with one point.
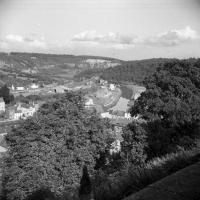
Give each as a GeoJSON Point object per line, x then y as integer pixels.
{"type": "Point", "coordinates": [34, 86]}
{"type": "Point", "coordinates": [20, 88]}
{"type": "Point", "coordinates": [106, 115]}
{"type": "Point", "coordinates": [127, 115]}
{"type": "Point", "coordinates": [112, 87]}
{"type": "Point", "coordinates": [22, 111]}
{"type": "Point", "coordinates": [2, 105]}
{"type": "Point", "coordinates": [89, 102]}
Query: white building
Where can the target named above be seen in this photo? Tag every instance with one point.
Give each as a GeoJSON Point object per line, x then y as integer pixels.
{"type": "Point", "coordinates": [34, 86]}
{"type": "Point", "coordinates": [20, 88]}
{"type": "Point", "coordinates": [2, 105]}
{"type": "Point", "coordinates": [89, 102]}
{"type": "Point", "coordinates": [23, 112]}
{"type": "Point", "coordinates": [112, 87]}
{"type": "Point", "coordinates": [106, 115]}
{"type": "Point", "coordinates": [127, 115]}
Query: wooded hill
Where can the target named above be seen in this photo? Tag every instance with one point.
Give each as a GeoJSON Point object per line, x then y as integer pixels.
{"type": "Point", "coordinates": [128, 71]}
{"type": "Point", "coordinates": [47, 67]}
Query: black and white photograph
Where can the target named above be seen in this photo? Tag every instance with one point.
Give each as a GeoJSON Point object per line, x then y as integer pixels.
{"type": "Point", "coordinates": [99, 99]}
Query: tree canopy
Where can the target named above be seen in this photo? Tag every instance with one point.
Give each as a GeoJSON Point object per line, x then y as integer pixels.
{"type": "Point", "coordinates": [134, 144]}
{"type": "Point", "coordinates": [173, 93]}
{"type": "Point", "coordinates": [5, 93]}
{"type": "Point", "coordinates": [50, 149]}
{"type": "Point", "coordinates": [172, 99]}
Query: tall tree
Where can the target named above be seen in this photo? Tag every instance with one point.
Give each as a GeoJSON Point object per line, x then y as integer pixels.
{"type": "Point", "coordinates": [85, 190]}
{"type": "Point", "coordinates": [5, 93]}
{"type": "Point", "coordinates": [50, 149]}
{"type": "Point", "coordinates": [134, 144]}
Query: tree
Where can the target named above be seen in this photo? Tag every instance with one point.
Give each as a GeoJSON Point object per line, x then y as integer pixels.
{"type": "Point", "coordinates": [5, 93]}
{"type": "Point", "coordinates": [134, 144]}
{"type": "Point", "coordinates": [85, 190]}
{"type": "Point", "coordinates": [172, 99]}
{"type": "Point", "coordinates": [173, 93]}
{"type": "Point", "coordinates": [50, 149]}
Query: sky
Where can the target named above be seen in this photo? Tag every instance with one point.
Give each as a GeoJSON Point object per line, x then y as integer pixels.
{"type": "Point", "coordinates": [124, 29]}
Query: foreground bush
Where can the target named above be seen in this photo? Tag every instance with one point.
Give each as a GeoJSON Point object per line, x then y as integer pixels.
{"type": "Point", "coordinates": [132, 179]}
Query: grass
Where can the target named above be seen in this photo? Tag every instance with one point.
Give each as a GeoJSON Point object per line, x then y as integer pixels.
{"type": "Point", "coordinates": [131, 179]}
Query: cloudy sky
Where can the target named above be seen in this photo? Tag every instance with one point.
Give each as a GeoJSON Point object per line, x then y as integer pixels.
{"type": "Point", "coordinates": [125, 29]}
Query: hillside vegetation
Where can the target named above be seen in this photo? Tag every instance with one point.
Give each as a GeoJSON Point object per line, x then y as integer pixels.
{"type": "Point", "coordinates": [128, 71]}
{"type": "Point", "coordinates": [21, 68]}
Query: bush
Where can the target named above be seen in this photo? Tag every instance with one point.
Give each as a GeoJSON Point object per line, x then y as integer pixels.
{"type": "Point", "coordinates": [131, 179]}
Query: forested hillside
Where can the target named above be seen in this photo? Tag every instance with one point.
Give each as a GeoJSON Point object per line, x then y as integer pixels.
{"type": "Point", "coordinates": [133, 71]}
{"type": "Point", "coordinates": [128, 71]}
{"type": "Point", "coordinates": [21, 68]}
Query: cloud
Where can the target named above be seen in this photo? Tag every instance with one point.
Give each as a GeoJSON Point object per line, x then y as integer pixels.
{"type": "Point", "coordinates": [14, 38]}
{"type": "Point", "coordinates": [115, 40]}
{"type": "Point", "coordinates": [25, 42]}
{"type": "Point", "coordinates": [95, 41]}
{"type": "Point", "coordinates": [173, 37]}
{"type": "Point", "coordinates": [109, 38]}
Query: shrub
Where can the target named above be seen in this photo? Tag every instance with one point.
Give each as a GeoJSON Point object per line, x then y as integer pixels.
{"type": "Point", "coordinates": [131, 179]}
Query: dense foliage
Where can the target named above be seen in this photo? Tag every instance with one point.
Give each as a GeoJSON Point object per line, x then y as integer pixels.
{"type": "Point", "coordinates": [50, 149]}
{"type": "Point", "coordinates": [171, 105]}
{"type": "Point", "coordinates": [134, 144]}
{"type": "Point", "coordinates": [132, 179]}
{"type": "Point", "coordinates": [128, 71]}
{"type": "Point", "coordinates": [132, 71]}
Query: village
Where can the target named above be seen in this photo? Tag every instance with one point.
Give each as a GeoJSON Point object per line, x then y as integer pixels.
{"type": "Point", "coordinates": [18, 110]}
{"type": "Point", "coordinates": [100, 96]}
